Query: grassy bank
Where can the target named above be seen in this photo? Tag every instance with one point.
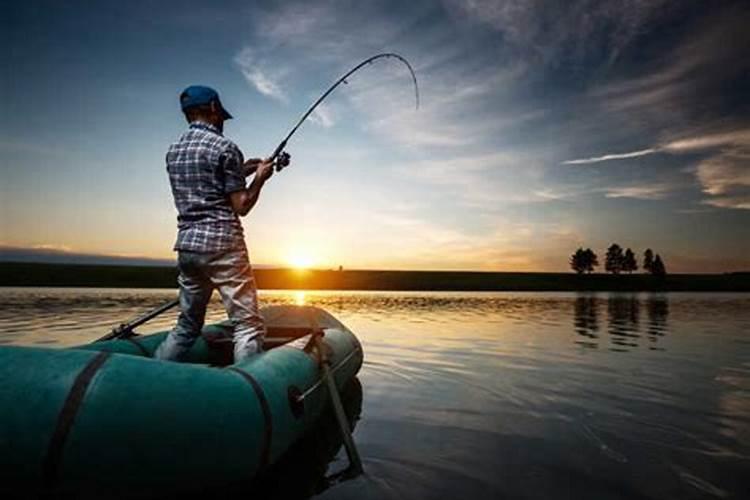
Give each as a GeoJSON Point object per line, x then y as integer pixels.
{"type": "Point", "coordinates": [73, 275]}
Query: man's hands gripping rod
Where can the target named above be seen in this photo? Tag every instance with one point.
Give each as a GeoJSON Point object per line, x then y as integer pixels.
{"type": "Point", "coordinates": [252, 165]}
{"type": "Point", "coordinates": [245, 199]}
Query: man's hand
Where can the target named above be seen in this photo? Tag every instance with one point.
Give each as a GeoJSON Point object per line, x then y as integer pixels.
{"type": "Point", "coordinates": [264, 170]}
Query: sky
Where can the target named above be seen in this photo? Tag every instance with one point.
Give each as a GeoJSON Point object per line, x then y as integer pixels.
{"type": "Point", "coordinates": [543, 126]}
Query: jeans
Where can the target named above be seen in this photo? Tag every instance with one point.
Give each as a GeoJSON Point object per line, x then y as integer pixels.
{"type": "Point", "coordinates": [231, 274]}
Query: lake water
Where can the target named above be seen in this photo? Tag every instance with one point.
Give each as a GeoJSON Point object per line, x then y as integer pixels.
{"type": "Point", "coordinates": [499, 395]}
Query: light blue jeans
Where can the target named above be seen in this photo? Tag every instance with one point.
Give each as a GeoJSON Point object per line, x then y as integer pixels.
{"type": "Point", "coordinates": [231, 274]}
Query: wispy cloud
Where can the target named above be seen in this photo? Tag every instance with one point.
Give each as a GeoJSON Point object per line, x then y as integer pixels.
{"type": "Point", "coordinates": [323, 116]}
{"type": "Point", "coordinates": [503, 245]}
{"type": "Point", "coordinates": [541, 28]}
{"type": "Point", "coordinates": [644, 192]}
{"type": "Point", "coordinates": [611, 156]}
{"type": "Point", "coordinates": [737, 202]}
{"type": "Point", "coordinates": [685, 83]}
{"type": "Point", "coordinates": [259, 77]}
{"type": "Point", "coordinates": [52, 246]}
{"type": "Point", "coordinates": [740, 137]}
{"type": "Point", "coordinates": [725, 175]}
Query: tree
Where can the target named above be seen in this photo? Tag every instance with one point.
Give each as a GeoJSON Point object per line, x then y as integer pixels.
{"type": "Point", "coordinates": [613, 260]}
{"type": "Point", "coordinates": [591, 260]}
{"type": "Point", "coordinates": [629, 263]}
{"type": "Point", "coordinates": [578, 261]}
{"type": "Point", "coordinates": [583, 261]}
{"type": "Point", "coordinates": [648, 260]}
{"type": "Point", "coordinates": [657, 268]}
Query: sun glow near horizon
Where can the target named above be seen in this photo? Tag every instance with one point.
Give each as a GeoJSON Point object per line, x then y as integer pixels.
{"type": "Point", "coordinates": [300, 259]}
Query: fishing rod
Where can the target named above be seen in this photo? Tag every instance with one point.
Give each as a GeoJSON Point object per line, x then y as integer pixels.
{"type": "Point", "coordinates": [279, 151]}
{"type": "Point", "coordinates": [282, 161]}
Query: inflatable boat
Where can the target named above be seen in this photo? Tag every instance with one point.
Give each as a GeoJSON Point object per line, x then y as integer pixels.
{"type": "Point", "coordinates": [106, 419]}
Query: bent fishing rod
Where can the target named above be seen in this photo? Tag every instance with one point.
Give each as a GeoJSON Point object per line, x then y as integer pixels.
{"type": "Point", "coordinates": [282, 160]}
{"type": "Point", "coordinates": [279, 151]}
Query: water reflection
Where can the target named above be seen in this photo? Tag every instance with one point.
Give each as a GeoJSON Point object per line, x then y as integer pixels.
{"type": "Point", "coordinates": [586, 320]}
{"type": "Point", "coordinates": [657, 307]}
{"type": "Point", "coordinates": [623, 313]}
{"type": "Point", "coordinates": [623, 320]}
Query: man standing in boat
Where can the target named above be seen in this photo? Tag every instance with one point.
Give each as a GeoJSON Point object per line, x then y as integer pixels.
{"type": "Point", "coordinates": [207, 173]}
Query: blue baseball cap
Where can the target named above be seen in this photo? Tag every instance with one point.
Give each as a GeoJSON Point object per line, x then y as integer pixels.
{"type": "Point", "coordinates": [199, 95]}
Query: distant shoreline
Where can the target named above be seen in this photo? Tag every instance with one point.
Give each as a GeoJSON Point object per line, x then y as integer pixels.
{"type": "Point", "coordinates": [26, 274]}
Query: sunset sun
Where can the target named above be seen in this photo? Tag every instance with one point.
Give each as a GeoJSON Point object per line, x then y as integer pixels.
{"type": "Point", "coordinates": [300, 259]}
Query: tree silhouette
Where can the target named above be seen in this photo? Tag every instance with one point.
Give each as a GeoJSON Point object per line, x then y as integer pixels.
{"type": "Point", "coordinates": [648, 260]}
{"type": "Point", "coordinates": [583, 261]}
{"type": "Point", "coordinates": [578, 261]}
{"type": "Point", "coordinates": [629, 263]}
{"type": "Point", "coordinates": [614, 259]}
{"type": "Point", "coordinates": [657, 268]}
{"type": "Point", "coordinates": [591, 260]}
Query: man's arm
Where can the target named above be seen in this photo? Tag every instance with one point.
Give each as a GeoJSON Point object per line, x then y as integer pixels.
{"type": "Point", "coordinates": [250, 166]}
{"type": "Point", "coordinates": [245, 199]}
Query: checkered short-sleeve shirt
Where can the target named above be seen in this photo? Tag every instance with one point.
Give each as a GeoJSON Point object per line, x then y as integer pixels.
{"type": "Point", "coordinates": [204, 167]}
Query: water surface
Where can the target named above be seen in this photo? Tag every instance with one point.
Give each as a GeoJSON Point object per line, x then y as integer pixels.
{"type": "Point", "coordinates": [502, 395]}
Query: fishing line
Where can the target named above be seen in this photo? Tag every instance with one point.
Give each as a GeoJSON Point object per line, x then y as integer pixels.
{"type": "Point", "coordinates": [283, 157]}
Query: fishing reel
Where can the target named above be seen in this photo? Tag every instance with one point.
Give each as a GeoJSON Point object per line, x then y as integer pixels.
{"type": "Point", "coordinates": [282, 160]}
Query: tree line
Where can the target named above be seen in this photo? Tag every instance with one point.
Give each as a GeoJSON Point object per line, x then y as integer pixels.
{"type": "Point", "coordinates": [616, 261]}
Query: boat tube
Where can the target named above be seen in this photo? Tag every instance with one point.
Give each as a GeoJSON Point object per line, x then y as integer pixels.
{"type": "Point", "coordinates": [106, 419]}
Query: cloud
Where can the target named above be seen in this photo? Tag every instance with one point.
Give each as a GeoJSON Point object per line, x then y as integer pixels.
{"type": "Point", "coordinates": [687, 84]}
{"type": "Point", "coordinates": [611, 156]}
{"type": "Point", "coordinates": [737, 202]}
{"type": "Point", "coordinates": [323, 116]}
{"type": "Point", "coordinates": [726, 178]}
{"type": "Point", "coordinates": [720, 174]}
{"type": "Point", "coordinates": [504, 244]}
{"type": "Point", "coordinates": [645, 192]}
{"type": "Point", "coordinates": [548, 31]}
{"type": "Point", "coordinates": [483, 182]}
{"type": "Point", "coordinates": [461, 86]}
{"type": "Point", "coordinates": [740, 137]}
{"type": "Point", "coordinates": [52, 247]}
{"type": "Point", "coordinates": [725, 175]}
{"type": "Point", "coordinates": [260, 78]}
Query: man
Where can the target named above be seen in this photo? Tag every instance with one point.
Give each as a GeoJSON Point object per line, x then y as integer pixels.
{"type": "Point", "coordinates": [207, 173]}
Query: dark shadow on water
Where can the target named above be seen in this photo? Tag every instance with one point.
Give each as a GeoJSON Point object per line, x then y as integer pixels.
{"type": "Point", "coordinates": [623, 320]}
{"type": "Point", "coordinates": [308, 468]}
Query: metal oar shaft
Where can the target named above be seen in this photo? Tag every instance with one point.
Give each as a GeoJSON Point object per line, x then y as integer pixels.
{"type": "Point", "coordinates": [355, 462]}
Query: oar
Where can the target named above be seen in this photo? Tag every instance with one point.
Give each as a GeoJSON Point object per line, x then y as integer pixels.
{"type": "Point", "coordinates": [355, 463]}
{"type": "Point", "coordinates": [126, 329]}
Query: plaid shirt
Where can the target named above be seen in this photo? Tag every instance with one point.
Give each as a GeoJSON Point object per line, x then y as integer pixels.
{"type": "Point", "coordinates": [204, 167]}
